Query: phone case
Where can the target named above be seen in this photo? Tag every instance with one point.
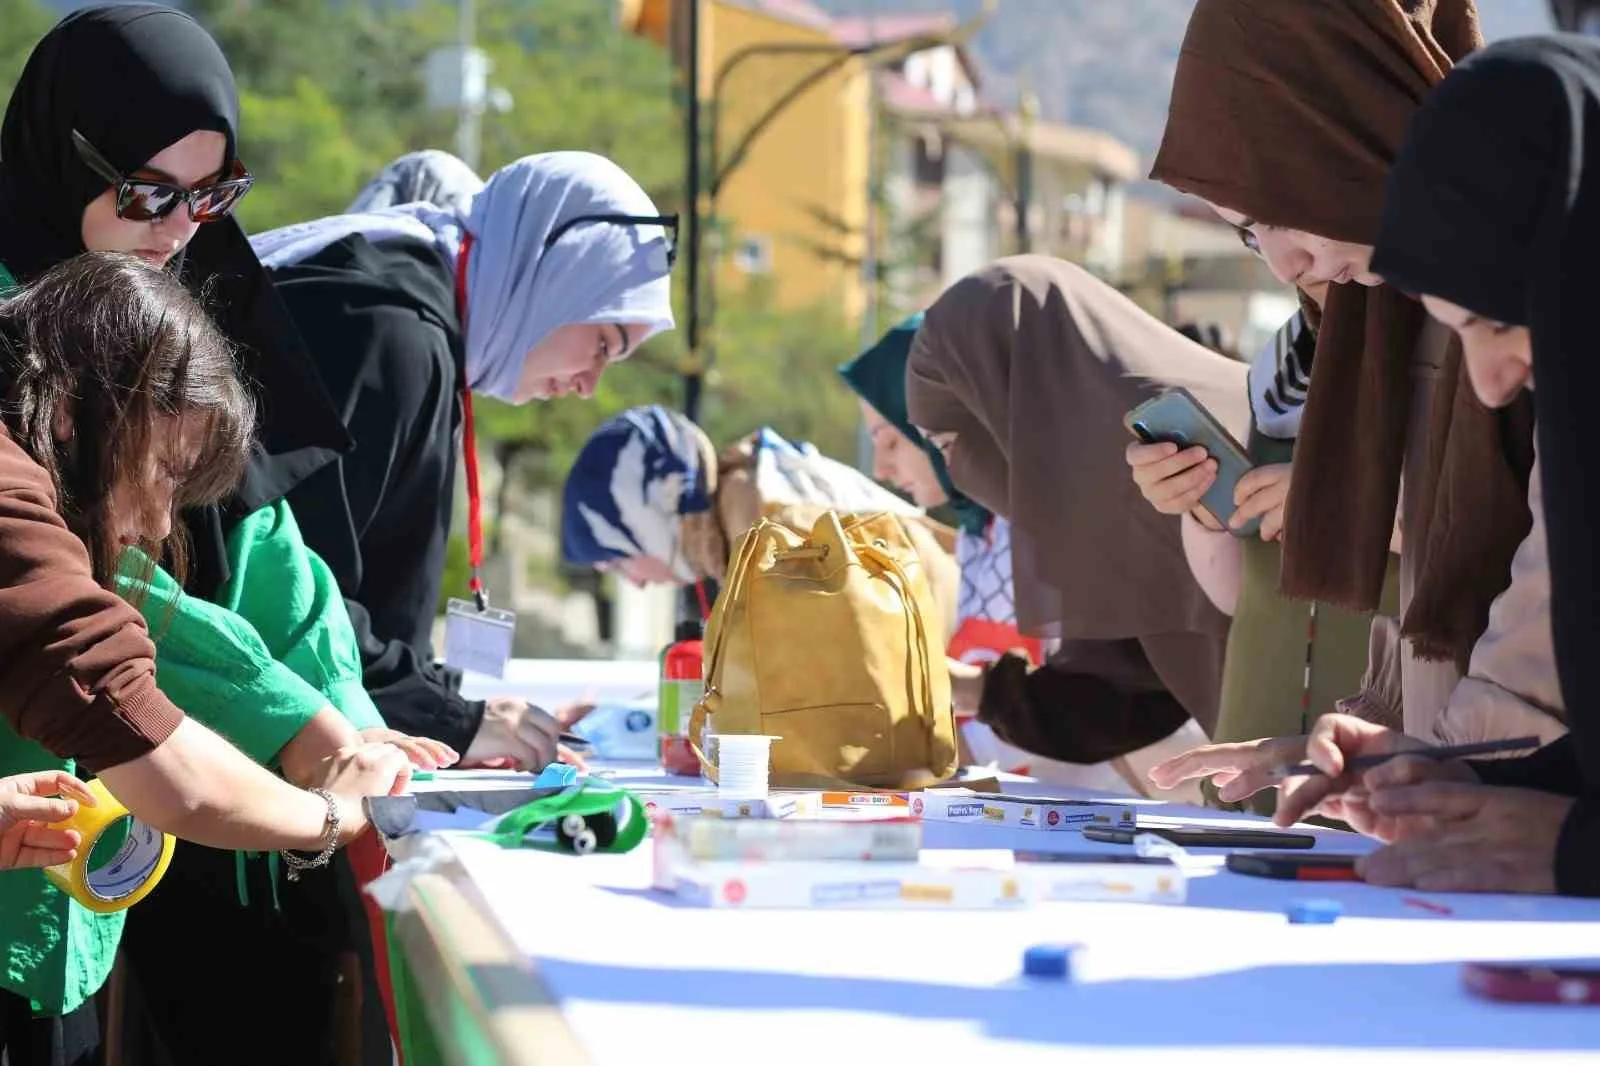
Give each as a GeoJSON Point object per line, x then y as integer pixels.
{"type": "Point", "coordinates": [1093, 858]}
{"type": "Point", "coordinates": [1293, 867]}
{"type": "Point", "coordinates": [1205, 837]}
{"type": "Point", "coordinates": [1557, 982]}
{"type": "Point", "coordinates": [1176, 416]}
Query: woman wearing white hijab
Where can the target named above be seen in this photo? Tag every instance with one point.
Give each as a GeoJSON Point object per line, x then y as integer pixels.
{"type": "Point", "coordinates": [426, 177]}
{"type": "Point", "coordinates": [556, 269]}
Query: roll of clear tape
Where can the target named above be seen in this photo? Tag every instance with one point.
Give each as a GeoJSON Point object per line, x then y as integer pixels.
{"type": "Point", "coordinates": [129, 875]}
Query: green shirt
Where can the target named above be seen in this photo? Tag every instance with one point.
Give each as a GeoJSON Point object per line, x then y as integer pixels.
{"type": "Point", "coordinates": [255, 666]}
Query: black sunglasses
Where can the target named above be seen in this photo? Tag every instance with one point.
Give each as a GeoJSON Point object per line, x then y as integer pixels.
{"type": "Point", "coordinates": [669, 223]}
{"type": "Point", "coordinates": [149, 200]}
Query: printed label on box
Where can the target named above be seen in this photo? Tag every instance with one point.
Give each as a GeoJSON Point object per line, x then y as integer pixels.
{"type": "Point", "coordinates": [1026, 812]}
{"type": "Point", "coordinates": [853, 892]}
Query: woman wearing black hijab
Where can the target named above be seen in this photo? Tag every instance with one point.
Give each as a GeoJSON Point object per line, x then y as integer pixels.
{"type": "Point", "coordinates": [150, 167]}
{"type": "Point", "coordinates": [1491, 218]}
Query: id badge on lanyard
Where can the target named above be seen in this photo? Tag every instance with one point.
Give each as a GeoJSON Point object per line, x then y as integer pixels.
{"type": "Point", "coordinates": [477, 637]}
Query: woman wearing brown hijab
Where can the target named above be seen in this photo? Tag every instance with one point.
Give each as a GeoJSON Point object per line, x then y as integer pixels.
{"type": "Point", "coordinates": [1286, 117]}
{"type": "Point", "coordinates": [1021, 374]}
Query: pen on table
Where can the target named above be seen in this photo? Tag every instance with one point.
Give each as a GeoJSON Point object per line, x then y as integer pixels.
{"type": "Point", "coordinates": [1448, 751]}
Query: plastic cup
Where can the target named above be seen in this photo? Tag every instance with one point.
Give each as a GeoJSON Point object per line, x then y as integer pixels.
{"type": "Point", "coordinates": [743, 763]}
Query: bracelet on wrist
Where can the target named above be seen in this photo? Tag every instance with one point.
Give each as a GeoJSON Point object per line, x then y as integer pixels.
{"type": "Point", "coordinates": [330, 840]}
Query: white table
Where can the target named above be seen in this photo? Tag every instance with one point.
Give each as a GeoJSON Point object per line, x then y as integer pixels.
{"type": "Point", "coordinates": [578, 961]}
{"type": "Point", "coordinates": [553, 683]}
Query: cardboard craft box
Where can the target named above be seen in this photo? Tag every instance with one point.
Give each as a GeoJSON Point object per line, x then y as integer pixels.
{"type": "Point", "coordinates": [1021, 812]}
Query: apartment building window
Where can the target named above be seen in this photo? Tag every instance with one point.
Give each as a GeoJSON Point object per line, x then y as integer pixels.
{"type": "Point", "coordinates": [753, 255]}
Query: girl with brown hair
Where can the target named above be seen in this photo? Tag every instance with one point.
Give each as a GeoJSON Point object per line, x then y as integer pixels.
{"type": "Point", "coordinates": [122, 405]}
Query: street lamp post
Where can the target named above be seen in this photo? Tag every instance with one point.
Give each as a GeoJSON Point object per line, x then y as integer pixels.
{"type": "Point", "coordinates": [457, 79]}
{"type": "Point", "coordinates": [694, 371]}
{"type": "Point", "coordinates": [701, 194]}
{"type": "Point", "coordinates": [1028, 114]}
{"type": "Point", "coordinates": [705, 183]}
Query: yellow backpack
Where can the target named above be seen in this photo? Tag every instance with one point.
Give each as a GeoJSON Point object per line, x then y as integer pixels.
{"type": "Point", "coordinates": [831, 642]}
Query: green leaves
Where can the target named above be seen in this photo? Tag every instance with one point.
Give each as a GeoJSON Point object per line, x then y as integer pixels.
{"type": "Point", "coordinates": [22, 22]}
{"type": "Point", "coordinates": [306, 161]}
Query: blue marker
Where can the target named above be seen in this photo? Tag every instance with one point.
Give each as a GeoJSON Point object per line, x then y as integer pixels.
{"type": "Point", "coordinates": [1048, 961]}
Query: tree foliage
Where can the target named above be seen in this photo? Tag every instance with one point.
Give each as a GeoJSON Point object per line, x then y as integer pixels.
{"type": "Point", "coordinates": [22, 22]}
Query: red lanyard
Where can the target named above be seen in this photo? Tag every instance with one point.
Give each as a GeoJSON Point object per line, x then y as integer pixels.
{"type": "Point", "coordinates": [469, 445]}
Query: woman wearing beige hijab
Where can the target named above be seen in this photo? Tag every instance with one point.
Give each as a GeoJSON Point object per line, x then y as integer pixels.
{"type": "Point", "coordinates": [1286, 118]}
{"type": "Point", "coordinates": [1021, 374]}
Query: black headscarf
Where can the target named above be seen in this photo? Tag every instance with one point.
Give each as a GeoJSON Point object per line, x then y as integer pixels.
{"type": "Point", "coordinates": [134, 79]}
{"type": "Point", "coordinates": [1493, 206]}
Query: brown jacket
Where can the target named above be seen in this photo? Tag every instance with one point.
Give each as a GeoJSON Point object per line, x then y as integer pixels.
{"type": "Point", "coordinates": [1511, 688]}
{"type": "Point", "coordinates": [77, 666]}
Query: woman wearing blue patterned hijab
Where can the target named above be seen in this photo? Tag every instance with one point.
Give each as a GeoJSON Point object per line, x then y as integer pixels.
{"type": "Point", "coordinates": [626, 498]}
{"type": "Point", "coordinates": [650, 498]}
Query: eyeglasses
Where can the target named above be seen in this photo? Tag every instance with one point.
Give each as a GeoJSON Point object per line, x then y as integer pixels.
{"type": "Point", "coordinates": [149, 200]}
{"type": "Point", "coordinates": [669, 223]}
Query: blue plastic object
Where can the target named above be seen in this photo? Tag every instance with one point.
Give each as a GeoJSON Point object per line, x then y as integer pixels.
{"type": "Point", "coordinates": [1314, 911]}
{"type": "Point", "coordinates": [557, 775]}
{"type": "Point", "coordinates": [1052, 961]}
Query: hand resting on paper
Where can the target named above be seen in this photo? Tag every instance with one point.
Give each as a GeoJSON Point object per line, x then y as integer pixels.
{"type": "Point", "coordinates": [1241, 770]}
{"type": "Point", "coordinates": [303, 758]}
{"type": "Point", "coordinates": [1238, 770]}
{"type": "Point", "coordinates": [424, 752]}
{"type": "Point", "coordinates": [1338, 794]}
{"type": "Point", "coordinates": [515, 734]}
{"type": "Point", "coordinates": [28, 804]}
{"type": "Point", "coordinates": [1467, 837]}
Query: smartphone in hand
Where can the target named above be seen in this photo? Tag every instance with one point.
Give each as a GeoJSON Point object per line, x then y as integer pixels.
{"type": "Point", "coordinates": [1177, 417]}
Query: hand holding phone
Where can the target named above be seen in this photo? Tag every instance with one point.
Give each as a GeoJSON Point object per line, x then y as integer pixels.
{"type": "Point", "coordinates": [1176, 417]}
{"type": "Point", "coordinates": [1174, 480]}
{"type": "Point", "coordinates": [1261, 495]}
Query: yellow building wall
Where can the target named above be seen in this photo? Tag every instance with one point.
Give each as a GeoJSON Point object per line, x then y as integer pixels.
{"type": "Point", "coordinates": [802, 187]}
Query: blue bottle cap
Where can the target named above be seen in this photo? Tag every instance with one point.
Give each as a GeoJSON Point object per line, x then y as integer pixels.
{"type": "Point", "coordinates": [1048, 960]}
{"type": "Point", "coordinates": [1314, 911]}
{"type": "Point", "coordinates": [556, 775]}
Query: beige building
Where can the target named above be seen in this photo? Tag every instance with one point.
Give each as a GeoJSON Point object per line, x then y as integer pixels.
{"type": "Point", "coordinates": [1187, 265]}
{"type": "Point", "coordinates": [950, 164]}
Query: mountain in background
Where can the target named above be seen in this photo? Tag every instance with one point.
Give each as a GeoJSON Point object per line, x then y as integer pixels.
{"type": "Point", "coordinates": [1108, 63]}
